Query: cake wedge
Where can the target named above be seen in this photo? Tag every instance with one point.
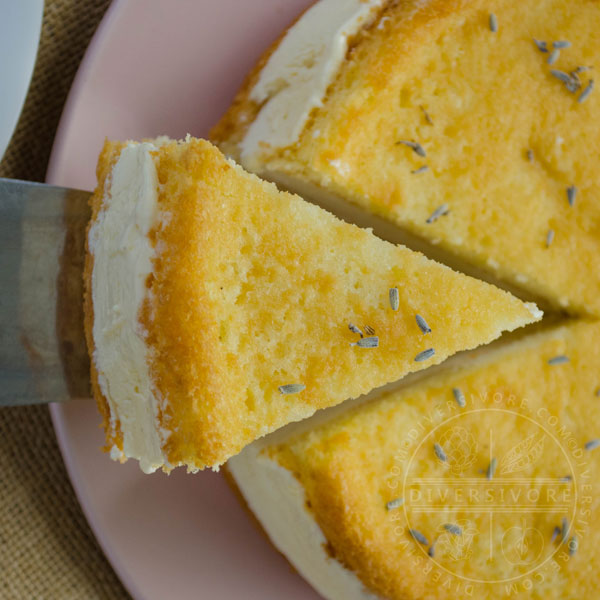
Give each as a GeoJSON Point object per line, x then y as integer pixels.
{"type": "Point", "coordinates": [218, 308]}
{"type": "Point", "coordinates": [478, 481]}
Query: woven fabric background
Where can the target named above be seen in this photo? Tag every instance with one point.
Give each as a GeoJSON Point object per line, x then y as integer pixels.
{"type": "Point", "coordinates": [47, 550]}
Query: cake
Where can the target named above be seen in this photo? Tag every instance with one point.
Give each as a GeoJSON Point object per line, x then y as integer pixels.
{"type": "Point", "coordinates": [219, 309]}
{"type": "Point", "coordinates": [443, 123]}
{"type": "Point", "coordinates": [477, 481]}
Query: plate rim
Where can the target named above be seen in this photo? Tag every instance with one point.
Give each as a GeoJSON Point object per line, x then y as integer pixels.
{"type": "Point", "coordinates": [58, 148]}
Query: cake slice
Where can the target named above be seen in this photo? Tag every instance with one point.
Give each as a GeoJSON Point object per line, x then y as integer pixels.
{"type": "Point", "coordinates": [444, 118]}
{"type": "Point", "coordinates": [219, 309]}
{"type": "Point", "coordinates": [477, 482]}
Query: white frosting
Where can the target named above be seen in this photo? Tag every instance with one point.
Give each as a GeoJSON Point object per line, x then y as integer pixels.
{"type": "Point", "coordinates": [298, 73]}
{"type": "Point", "coordinates": [278, 500]}
{"type": "Point", "coordinates": [122, 252]}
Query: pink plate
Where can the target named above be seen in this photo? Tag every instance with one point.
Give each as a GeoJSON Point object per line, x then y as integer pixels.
{"type": "Point", "coordinates": [165, 67]}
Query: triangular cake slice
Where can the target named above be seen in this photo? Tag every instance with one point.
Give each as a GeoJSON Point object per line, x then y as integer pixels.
{"type": "Point", "coordinates": [479, 481]}
{"type": "Point", "coordinates": [445, 118]}
{"type": "Point", "coordinates": [219, 309]}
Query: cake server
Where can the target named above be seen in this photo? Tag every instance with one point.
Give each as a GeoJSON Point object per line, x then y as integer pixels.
{"type": "Point", "coordinates": [43, 356]}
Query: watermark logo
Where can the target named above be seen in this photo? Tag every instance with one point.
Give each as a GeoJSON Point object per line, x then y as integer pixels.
{"type": "Point", "coordinates": [457, 547]}
{"type": "Point", "coordinates": [460, 448]}
{"type": "Point", "coordinates": [494, 491]}
{"type": "Point", "coordinates": [522, 544]}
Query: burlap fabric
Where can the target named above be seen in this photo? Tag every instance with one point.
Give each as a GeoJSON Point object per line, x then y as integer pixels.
{"type": "Point", "coordinates": [47, 550]}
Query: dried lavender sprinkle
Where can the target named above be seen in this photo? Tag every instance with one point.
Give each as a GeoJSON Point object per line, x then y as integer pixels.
{"type": "Point", "coordinates": [561, 75]}
{"type": "Point", "coordinates": [396, 503]}
{"type": "Point", "coordinates": [573, 545]}
{"type": "Point", "coordinates": [291, 388]}
{"type": "Point", "coordinates": [367, 342]}
{"type": "Point", "coordinates": [530, 155]}
{"type": "Point", "coordinates": [420, 170]}
{"type": "Point", "coordinates": [394, 298]}
{"type": "Point", "coordinates": [541, 45]}
{"type": "Point", "coordinates": [598, 393]}
{"type": "Point", "coordinates": [440, 211]}
{"type": "Point", "coordinates": [561, 359]}
{"type": "Point", "coordinates": [549, 237]}
{"type": "Point", "coordinates": [555, 534]}
{"type": "Point", "coordinates": [439, 452]}
{"type": "Point", "coordinates": [431, 550]}
{"type": "Point", "coordinates": [355, 329]}
{"type": "Point", "coordinates": [417, 535]}
{"type": "Point", "coordinates": [564, 528]}
{"type": "Point", "coordinates": [459, 397]}
{"type": "Point", "coordinates": [419, 150]}
{"type": "Point", "coordinates": [493, 23]}
{"type": "Point", "coordinates": [415, 146]}
{"type": "Point", "coordinates": [426, 114]}
{"type": "Point", "coordinates": [426, 354]}
{"type": "Point", "coordinates": [571, 194]}
{"type": "Point", "coordinates": [452, 528]}
{"type": "Point", "coordinates": [560, 44]}
{"type": "Point", "coordinates": [566, 478]}
{"type": "Point", "coordinates": [575, 83]}
{"type": "Point", "coordinates": [491, 470]}
{"type": "Point", "coordinates": [553, 56]}
{"type": "Point", "coordinates": [422, 323]}
{"type": "Point", "coordinates": [585, 94]}
{"type": "Point", "coordinates": [592, 444]}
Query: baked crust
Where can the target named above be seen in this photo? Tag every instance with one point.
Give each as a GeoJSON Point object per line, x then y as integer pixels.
{"type": "Point", "coordinates": [481, 92]}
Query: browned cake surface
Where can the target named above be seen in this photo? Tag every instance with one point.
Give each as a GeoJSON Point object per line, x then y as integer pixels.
{"type": "Point", "coordinates": [535, 418]}
{"type": "Point", "coordinates": [476, 101]}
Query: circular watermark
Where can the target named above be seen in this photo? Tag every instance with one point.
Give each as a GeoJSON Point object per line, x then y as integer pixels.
{"type": "Point", "coordinates": [489, 494]}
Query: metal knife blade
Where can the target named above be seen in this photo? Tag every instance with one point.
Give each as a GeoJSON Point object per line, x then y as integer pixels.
{"type": "Point", "coordinates": [43, 355]}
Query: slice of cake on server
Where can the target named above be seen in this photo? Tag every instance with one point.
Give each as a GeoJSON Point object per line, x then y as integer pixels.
{"type": "Point", "coordinates": [218, 309]}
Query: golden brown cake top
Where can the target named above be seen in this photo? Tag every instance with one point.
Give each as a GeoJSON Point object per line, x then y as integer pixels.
{"type": "Point", "coordinates": [492, 465]}
{"type": "Point", "coordinates": [509, 142]}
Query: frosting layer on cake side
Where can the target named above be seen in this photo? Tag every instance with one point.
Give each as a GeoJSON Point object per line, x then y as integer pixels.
{"type": "Point", "coordinates": [298, 73]}
{"type": "Point", "coordinates": [278, 501]}
{"type": "Point", "coordinates": [123, 252]}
